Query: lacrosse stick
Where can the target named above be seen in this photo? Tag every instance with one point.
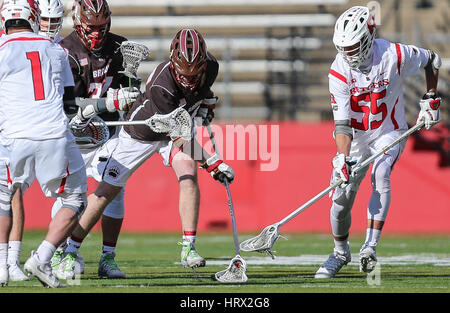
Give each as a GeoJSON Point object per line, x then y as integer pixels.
{"type": "Point", "coordinates": [235, 273]}
{"type": "Point", "coordinates": [91, 133]}
{"type": "Point", "coordinates": [178, 124]}
{"type": "Point", "coordinates": [266, 239]}
{"type": "Point", "coordinates": [133, 54]}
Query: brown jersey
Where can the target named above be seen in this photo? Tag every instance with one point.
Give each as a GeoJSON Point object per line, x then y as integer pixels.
{"type": "Point", "coordinates": [95, 73]}
{"type": "Point", "coordinates": [162, 95]}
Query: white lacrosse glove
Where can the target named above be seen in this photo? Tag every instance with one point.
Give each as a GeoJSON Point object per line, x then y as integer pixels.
{"type": "Point", "coordinates": [219, 171]}
{"type": "Point", "coordinates": [342, 166]}
{"type": "Point", "coordinates": [206, 111]}
{"type": "Point", "coordinates": [121, 99]}
{"type": "Point", "coordinates": [429, 110]}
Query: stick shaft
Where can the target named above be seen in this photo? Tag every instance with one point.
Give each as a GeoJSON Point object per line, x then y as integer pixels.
{"type": "Point", "coordinates": [230, 201]}
{"type": "Point", "coordinates": [124, 123]}
{"type": "Point", "coordinates": [233, 219]}
{"type": "Point", "coordinates": [358, 167]}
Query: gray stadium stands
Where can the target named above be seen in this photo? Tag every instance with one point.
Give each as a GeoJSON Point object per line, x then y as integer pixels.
{"type": "Point", "coordinates": [274, 54]}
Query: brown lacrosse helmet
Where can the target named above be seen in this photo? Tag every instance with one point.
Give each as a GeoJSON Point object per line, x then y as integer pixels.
{"type": "Point", "coordinates": [92, 21]}
{"type": "Point", "coordinates": [188, 58]}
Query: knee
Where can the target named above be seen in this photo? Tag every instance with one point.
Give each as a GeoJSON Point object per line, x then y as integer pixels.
{"type": "Point", "coordinates": [381, 178]}
{"type": "Point", "coordinates": [74, 201]}
{"type": "Point", "coordinates": [342, 204]}
{"type": "Point", "coordinates": [5, 201]}
{"type": "Point", "coordinates": [116, 208]}
{"type": "Point", "coordinates": [107, 191]}
{"type": "Point", "coordinates": [186, 170]}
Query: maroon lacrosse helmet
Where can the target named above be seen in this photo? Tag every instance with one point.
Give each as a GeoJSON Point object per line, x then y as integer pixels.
{"type": "Point", "coordinates": [188, 58]}
{"type": "Point", "coordinates": [92, 21]}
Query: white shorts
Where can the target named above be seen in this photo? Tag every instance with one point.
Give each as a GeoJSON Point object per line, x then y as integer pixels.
{"type": "Point", "coordinates": [50, 161]}
{"type": "Point", "coordinates": [95, 158]}
{"type": "Point", "coordinates": [127, 155]}
{"type": "Point", "coordinates": [4, 163]}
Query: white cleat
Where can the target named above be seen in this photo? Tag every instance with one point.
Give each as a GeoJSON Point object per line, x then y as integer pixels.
{"type": "Point", "coordinates": [66, 268]}
{"type": "Point", "coordinates": [15, 273]}
{"type": "Point", "coordinates": [108, 268]}
{"type": "Point", "coordinates": [42, 271]}
{"type": "Point", "coordinates": [190, 257]}
{"type": "Point", "coordinates": [4, 276]}
{"type": "Point", "coordinates": [367, 259]}
{"type": "Point", "coordinates": [334, 264]}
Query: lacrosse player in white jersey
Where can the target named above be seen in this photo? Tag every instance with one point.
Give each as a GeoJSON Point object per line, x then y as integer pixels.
{"type": "Point", "coordinates": [52, 12]}
{"type": "Point", "coordinates": [365, 82]}
{"type": "Point", "coordinates": [36, 140]}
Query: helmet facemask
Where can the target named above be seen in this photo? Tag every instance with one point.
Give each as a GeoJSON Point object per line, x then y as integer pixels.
{"type": "Point", "coordinates": [188, 59]}
{"type": "Point", "coordinates": [50, 27]}
{"type": "Point", "coordinates": [357, 54]}
{"type": "Point", "coordinates": [92, 21]}
{"type": "Point", "coordinates": [354, 34]}
{"type": "Point", "coordinates": [52, 13]}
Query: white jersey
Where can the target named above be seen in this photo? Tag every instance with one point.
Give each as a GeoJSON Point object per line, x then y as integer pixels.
{"type": "Point", "coordinates": [33, 74]}
{"type": "Point", "coordinates": [373, 102]}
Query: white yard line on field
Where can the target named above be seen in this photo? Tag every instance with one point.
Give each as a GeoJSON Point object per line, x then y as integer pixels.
{"type": "Point", "coordinates": [308, 259]}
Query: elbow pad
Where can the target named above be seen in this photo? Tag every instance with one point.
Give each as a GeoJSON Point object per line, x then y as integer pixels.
{"type": "Point", "coordinates": [343, 127]}
{"type": "Point", "coordinates": [434, 63]}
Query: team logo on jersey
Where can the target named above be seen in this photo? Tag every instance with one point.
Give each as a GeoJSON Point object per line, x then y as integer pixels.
{"type": "Point", "coordinates": [101, 72]}
{"type": "Point", "coordinates": [372, 86]}
{"type": "Point", "coordinates": [113, 171]}
{"type": "Point", "coordinates": [332, 99]}
{"type": "Point", "coordinates": [83, 62]}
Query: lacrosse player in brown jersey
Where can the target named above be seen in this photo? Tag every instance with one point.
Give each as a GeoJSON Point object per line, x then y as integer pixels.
{"type": "Point", "coordinates": [183, 81]}
{"type": "Point", "coordinates": [95, 59]}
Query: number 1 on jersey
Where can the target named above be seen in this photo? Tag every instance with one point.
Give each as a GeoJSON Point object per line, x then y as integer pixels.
{"type": "Point", "coordinates": [37, 75]}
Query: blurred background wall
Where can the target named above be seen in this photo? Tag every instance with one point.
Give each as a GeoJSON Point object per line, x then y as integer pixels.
{"type": "Point", "coordinates": [274, 59]}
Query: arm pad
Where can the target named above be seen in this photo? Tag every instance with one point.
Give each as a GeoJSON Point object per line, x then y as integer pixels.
{"type": "Point", "coordinates": [89, 107]}
{"type": "Point", "coordinates": [343, 127]}
{"type": "Point", "coordinates": [434, 62]}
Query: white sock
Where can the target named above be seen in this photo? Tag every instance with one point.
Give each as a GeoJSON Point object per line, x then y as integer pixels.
{"type": "Point", "coordinates": [14, 248]}
{"type": "Point", "coordinates": [372, 237]}
{"type": "Point", "coordinates": [3, 254]}
{"type": "Point", "coordinates": [45, 251]}
{"type": "Point", "coordinates": [72, 245]}
{"type": "Point", "coordinates": [190, 236]}
{"type": "Point", "coordinates": [341, 245]}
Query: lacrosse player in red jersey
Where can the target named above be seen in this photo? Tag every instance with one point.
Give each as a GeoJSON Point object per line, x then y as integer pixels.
{"type": "Point", "coordinates": [16, 234]}
{"type": "Point", "coordinates": [183, 81]}
{"type": "Point", "coordinates": [366, 86]}
{"type": "Point", "coordinates": [35, 138]}
{"type": "Point", "coordinates": [52, 12]}
{"type": "Point", "coordinates": [96, 61]}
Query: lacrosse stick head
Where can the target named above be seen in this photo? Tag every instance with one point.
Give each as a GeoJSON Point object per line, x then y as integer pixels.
{"type": "Point", "coordinates": [178, 124]}
{"type": "Point", "coordinates": [133, 54]}
{"type": "Point", "coordinates": [89, 134]}
{"type": "Point", "coordinates": [235, 273]}
{"type": "Point", "coordinates": [263, 242]}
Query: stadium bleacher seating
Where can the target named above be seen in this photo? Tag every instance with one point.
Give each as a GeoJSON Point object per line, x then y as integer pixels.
{"type": "Point", "coordinates": [275, 54]}
{"type": "Point", "coordinates": [265, 48]}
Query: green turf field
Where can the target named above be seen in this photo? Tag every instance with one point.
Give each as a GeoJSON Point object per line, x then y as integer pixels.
{"type": "Point", "coordinates": [151, 261]}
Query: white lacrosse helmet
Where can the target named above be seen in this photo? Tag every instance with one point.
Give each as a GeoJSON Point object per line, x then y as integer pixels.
{"type": "Point", "coordinates": [52, 13]}
{"type": "Point", "coordinates": [27, 10]}
{"type": "Point", "coordinates": [354, 34]}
